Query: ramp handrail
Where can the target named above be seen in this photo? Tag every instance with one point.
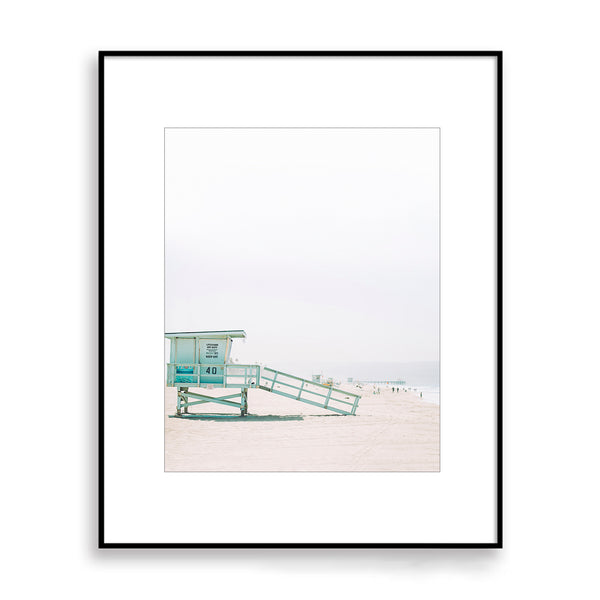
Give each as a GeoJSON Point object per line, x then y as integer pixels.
{"type": "Point", "coordinates": [274, 378]}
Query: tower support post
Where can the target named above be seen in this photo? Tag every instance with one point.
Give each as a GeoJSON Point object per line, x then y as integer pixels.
{"type": "Point", "coordinates": [244, 402]}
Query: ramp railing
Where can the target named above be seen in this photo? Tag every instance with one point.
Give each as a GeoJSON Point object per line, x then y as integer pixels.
{"type": "Point", "coordinates": [310, 392]}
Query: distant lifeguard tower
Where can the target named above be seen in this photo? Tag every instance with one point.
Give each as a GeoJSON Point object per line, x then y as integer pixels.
{"type": "Point", "coordinates": [201, 359]}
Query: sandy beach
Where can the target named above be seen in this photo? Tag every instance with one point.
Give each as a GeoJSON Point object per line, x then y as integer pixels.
{"type": "Point", "coordinates": [390, 432]}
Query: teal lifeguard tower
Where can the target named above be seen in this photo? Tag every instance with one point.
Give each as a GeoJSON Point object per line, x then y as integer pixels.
{"type": "Point", "coordinates": [200, 359]}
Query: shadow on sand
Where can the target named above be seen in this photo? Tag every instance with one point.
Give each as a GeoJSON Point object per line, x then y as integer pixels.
{"type": "Point", "coordinates": [221, 416]}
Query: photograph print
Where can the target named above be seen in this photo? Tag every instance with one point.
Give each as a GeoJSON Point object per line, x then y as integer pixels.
{"type": "Point", "coordinates": [302, 299]}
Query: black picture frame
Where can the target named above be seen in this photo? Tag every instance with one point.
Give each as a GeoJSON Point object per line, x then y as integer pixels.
{"type": "Point", "coordinates": [497, 55]}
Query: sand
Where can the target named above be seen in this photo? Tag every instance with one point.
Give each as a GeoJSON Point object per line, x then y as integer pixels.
{"type": "Point", "coordinates": [390, 432]}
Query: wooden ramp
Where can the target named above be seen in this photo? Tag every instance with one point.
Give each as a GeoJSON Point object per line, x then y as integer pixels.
{"type": "Point", "coordinates": [309, 392]}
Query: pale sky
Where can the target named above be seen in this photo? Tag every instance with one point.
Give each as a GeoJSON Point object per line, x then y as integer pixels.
{"type": "Point", "coordinates": [322, 244]}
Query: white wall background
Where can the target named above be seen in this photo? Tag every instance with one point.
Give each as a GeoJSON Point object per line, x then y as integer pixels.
{"type": "Point", "coordinates": [48, 237]}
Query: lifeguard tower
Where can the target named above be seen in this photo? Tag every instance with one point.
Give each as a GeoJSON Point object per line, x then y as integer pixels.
{"type": "Point", "coordinates": [200, 359]}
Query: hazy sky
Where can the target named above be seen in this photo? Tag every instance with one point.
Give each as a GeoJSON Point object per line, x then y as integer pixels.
{"type": "Point", "coordinates": [321, 243]}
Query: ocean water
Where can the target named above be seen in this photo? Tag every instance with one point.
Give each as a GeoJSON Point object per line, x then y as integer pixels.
{"type": "Point", "coordinates": [430, 395]}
